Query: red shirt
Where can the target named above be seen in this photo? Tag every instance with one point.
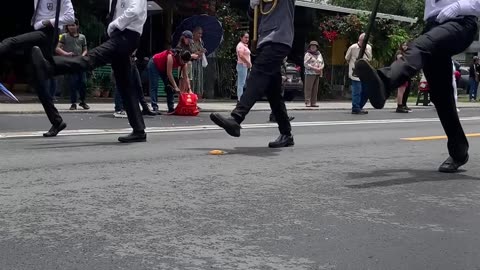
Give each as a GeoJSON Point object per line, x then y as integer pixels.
{"type": "Point", "coordinates": [160, 61]}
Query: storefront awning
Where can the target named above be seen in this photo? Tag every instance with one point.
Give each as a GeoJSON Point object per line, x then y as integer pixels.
{"type": "Point", "coordinates": [320, 6]}
{"type": "Point", "coordinates": [153, 8]}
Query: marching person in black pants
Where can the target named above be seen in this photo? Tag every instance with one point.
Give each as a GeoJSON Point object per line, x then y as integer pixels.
{"type": "Point", "coordinates": [274, 44]}
{"type": "Point", "coordinates": [43, 22]}
{"type": "Point", "coordinates": [127, 18]}
{"type": "Point", "coordinates": [451, 26]}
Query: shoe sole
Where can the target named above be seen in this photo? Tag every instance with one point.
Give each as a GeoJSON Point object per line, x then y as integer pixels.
{"type": "Point", "coordinates": [219, 122]}
{"type": "Point", "coordinates": [455, 170]}
{"type": "Point", "coordinates": [132, 141]}
{"type": "Point", "coordinates": [369, 76]}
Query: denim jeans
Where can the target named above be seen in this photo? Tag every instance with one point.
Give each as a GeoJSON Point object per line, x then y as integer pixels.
{"type": "Point", "coordinates": [359, 96]}
{"type": "Point", "coordinates": [77, 82]}
{"type": "Point", "coordinates": [153, 76]}
{"type": "Point", "coordinates": [242, 72]}
{"type": "Point", "coordinates": [473, 88]}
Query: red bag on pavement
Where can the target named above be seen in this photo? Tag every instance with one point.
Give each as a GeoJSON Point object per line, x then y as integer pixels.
{"type": "Point", "coordinates": [187, 105]}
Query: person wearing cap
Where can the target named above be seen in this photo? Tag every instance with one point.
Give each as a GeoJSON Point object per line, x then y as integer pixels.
{"type": "Point", "coordinates": [359, 93]}
{"type": "Point", "coordinates": [313, 62]}
{"type": "Point", "coordinates": [73, 44]}
{"type": "Point", "coordinates": [163, 65]}
{"type": "Point", "coordinates": [473, 79]}
{"type": "Point", "coordinates": [275, 39]}
{"type": "Point", "coordinates": [450, 28]}
{"type": "Point", "coordinates": [126, 19]}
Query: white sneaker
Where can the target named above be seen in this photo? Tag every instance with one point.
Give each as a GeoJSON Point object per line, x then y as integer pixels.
{"type": "Point", "coordinates": [120, 114]}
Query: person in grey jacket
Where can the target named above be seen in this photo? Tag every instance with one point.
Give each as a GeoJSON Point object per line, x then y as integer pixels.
{"type": "Point", "coordinates": [275, 40]}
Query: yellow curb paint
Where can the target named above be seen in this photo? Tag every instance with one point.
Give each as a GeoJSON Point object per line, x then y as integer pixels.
{"type": "Point", "coordinates": [432, 138]}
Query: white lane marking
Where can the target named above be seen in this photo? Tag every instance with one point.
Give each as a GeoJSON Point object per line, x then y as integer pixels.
{"type": "Point", "coordinates": [9, 135]}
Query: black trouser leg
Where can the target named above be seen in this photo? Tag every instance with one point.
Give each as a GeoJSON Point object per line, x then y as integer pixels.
{"type": "Point", "coordinates": [137, 85]}
{"type": "Point", "coordinates": [277, 104]}
{"type": "Point", "coordinates": [123, 74]}
{"type": "Point", "coordinates": [449, 38]}
{"type": "Point", "coordinates": [267, 68]}
{"type": "Point", "coordinates": [438, 71]}
{"type": "Point", "coordinates": [407, 93]}
{"type": "Point", "coordinates": [43, 39]}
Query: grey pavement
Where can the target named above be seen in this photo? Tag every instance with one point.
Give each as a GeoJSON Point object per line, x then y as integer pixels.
{"type": "Point", "coordinates": [347, 196]}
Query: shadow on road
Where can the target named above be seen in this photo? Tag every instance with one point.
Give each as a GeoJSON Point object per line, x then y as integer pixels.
{"type": "Point", "coordinates": [414, 176]}
{"type": "Point", "coordinates": [61, 145]}
{"type": "Point", "coordinates": [247, 151]}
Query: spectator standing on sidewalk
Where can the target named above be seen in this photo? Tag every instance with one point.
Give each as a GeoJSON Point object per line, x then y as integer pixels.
{"type": "Point", "coordinates": [244, 62]}
{"type": "Point", "coordinates": [313, 62]}
{"type": "Point", "coordinates": [72, 44]}
{"type": "Point", "coordinates": [359, 93]}
{"type": "Point", "coordinates": [402, 93]}
{"type": "Point", "coordinates": [473, 80]}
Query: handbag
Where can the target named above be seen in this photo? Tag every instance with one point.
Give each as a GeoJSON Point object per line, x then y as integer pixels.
{"type": "Point", "coordinates": [187, 105]}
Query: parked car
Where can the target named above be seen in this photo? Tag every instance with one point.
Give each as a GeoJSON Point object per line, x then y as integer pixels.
{"type": "Point", "coordinates": [293, 85]}
{"type": "Point", "coordinates": [463, 82]}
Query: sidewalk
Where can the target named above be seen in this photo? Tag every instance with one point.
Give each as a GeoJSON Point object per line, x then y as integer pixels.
{"type": "Point", "coordinates": [207, 106]}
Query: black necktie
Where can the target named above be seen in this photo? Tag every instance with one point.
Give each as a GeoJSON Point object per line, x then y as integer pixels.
{"type": "Point", "coordinates": [35, 12]}
{"type": "Point", "coordinates": [113, 6]}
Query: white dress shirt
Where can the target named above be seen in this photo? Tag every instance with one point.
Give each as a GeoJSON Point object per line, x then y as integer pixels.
{"type": "Point", "coordinates": [47, 9]}
{"type": "Point", "coordinates": [467, 7]}
{"type": "Point", "coordinates": [129, 14]}
{"type": "Point", "coordinates": [352, 55]}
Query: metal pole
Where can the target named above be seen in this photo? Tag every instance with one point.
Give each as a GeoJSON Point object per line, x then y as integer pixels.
{"type": "Point", "coordinates": [255, 29]}
{"type": "Point", "coordinates": [371, 23]}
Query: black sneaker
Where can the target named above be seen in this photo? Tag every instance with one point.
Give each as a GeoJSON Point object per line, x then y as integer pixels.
{"type": "Point", "coordinates": [73, 107]}
{"type": "Point", "coordinates": [282, 141]}
{"type": "Point", "coordinates": [376, 88]}
{"type": "Point", "coordinates": [450, 165]}
{"type": "Point", "coordinates": [84, 106]}
{"type": "Point", "coordinates": [42, 67]}
{"type": "Point", "coordinates": [54, 130]}
{"type": "Point", "coordinates": [401, 109]}
{"type": "Point", "coordinates": [133, 137]}
{"type": "Point", "coordinates": [229, 124]}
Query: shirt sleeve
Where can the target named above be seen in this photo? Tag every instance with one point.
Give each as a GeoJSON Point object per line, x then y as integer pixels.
{"type": "Point", "coordinates": [62, 39]}
{"type": "Point", "coordinates": [129, 15]}
{"type": "Point", "coordinates": [348, 55]}
{"type": "Point", "coordinates": [68, 14]}
{"type": "Point", "coordinates": [469, 7]}
{"type": "Point", "coordinates": [84, 42]}
{"type": "Point", "coordinates": [368, 52]}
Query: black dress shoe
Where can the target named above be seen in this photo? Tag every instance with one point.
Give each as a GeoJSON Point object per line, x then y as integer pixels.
{"type": "Point", "coordinates": [376, 88]}
{"type": "Point", "coordinates": [55, 129]}
{"type": "Point", "coordinates": [42, 68]}
{"type": "Point", "coordinates": [229, 124]}
{"type": "Point", "coordinates": [450, 165]}
{"type": "Point", "coordinates": [133, 137]}
{"type": "Point", "coordinates": [282, 141]}
{"type": "Point", "coordinates": [84, 106]}
{"type": "Point", "coordinates": [147, 111]}
{"type": "Point", "coordinates": [360, 112]}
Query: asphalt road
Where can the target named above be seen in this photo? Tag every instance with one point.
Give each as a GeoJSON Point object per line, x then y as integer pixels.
{"type": "Point", "coordinates": [351, 194]}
